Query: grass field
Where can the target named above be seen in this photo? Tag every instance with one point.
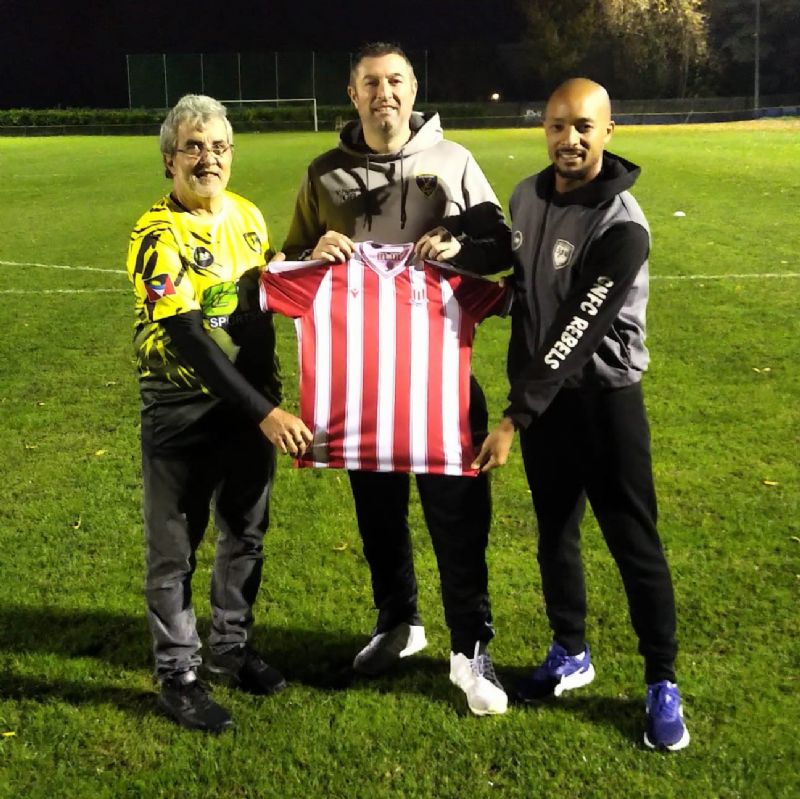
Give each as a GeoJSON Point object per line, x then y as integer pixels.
{"type": "Point", "coordinates": [76, 696]}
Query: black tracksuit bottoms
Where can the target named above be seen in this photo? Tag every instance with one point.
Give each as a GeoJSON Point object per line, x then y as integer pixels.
{"type": "Point", "coordinates": [595, 444]}
{"type": "Point", "coordinates": [457, 512]}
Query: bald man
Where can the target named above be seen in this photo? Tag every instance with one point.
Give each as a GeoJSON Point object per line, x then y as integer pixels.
{"type": "Point", "coordinates": [575, 361]}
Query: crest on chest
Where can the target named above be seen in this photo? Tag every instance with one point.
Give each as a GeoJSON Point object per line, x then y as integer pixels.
{"type": "Point", "coordinates": [562, 253]}
{"type": "Point", "coordinates": [427, 184]}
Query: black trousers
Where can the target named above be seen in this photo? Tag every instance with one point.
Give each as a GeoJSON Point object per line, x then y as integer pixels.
{"type": "Point", "coordinates": [457, 512]}
{"type": "Point", "coordinates": [596, 444]}
{"type": "Point", "coordinates": [234, 470]}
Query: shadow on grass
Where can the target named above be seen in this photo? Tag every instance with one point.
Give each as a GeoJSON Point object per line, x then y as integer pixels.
{"type": "Point", "coordinates": [75, 692]}
{"type": "Point", "coordinates": [624, 715]}
{"type": "Point", "coordinates": [318, 659]}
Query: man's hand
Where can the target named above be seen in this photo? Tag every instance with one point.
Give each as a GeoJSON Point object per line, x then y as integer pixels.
{"type": "Point", "coordinates": [279, 256]}
{"type": "Point", "coordinates": [496, 446]}
{"type": "Point", "coordinates": [333, 247]}
{"type": "Point", "coordinates": [286, 431]}
{"type": "Point", "coordinates": [438, 244]}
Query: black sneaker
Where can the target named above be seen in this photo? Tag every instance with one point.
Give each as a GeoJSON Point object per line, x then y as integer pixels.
{"type": "Point", "coordinates": [385, 649]}
{"type": "Point", "coordinates": [185, 699]}
{"type": "Point", "coordinates": [242, 667]}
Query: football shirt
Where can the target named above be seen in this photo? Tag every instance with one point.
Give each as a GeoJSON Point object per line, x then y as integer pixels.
{"type": "Point", "coordinates": [385, 344]}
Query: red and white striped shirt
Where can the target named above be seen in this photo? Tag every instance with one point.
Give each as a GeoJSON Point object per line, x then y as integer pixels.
{"type": "Point", "coordinates": [384, 347]}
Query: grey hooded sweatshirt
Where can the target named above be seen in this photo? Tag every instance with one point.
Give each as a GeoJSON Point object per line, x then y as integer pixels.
{"type": "Point", "coordinates": [581, 287]}
{"type": "Point", "coordinates": [394, 198]}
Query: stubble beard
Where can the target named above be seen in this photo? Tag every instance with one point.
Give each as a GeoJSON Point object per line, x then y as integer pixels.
{"type": "Point", "coordinates": [571, 174]}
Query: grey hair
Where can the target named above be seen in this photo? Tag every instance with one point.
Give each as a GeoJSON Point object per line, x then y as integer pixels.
{"type": "Point", "coordinates": [197, 108]}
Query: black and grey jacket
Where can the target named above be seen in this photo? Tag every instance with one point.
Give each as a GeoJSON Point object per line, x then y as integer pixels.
{"type": "Point", "coordinates": [396, 198]}
{"type": "Point", "coordinates": [581, 274]}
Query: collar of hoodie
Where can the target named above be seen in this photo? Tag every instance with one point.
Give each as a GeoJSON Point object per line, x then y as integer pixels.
{"type": "Point", "coordinates": [403, 192]}
{"type": "Point", "coordinates": [426, 131]}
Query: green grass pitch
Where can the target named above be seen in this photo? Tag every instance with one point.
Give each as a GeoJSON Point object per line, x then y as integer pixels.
{"type": "Point", "coordinates": [76, 696]}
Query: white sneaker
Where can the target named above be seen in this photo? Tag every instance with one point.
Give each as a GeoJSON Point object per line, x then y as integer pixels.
{"type": "Point", "coordinates": [476, 678]}
{"type": "Point", "coordinates": [385, 649]}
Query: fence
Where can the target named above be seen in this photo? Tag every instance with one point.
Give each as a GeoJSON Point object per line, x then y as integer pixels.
{"type": "Point", "coordinates": [159, 80]}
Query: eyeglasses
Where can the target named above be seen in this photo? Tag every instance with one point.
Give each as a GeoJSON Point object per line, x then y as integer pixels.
{"type": "Point", "coordinates": [195, 149]}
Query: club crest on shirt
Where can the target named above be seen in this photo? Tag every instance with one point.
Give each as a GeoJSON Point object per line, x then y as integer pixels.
{"type": "Point", "coordinates": [516, 240]}
{"type": "Point", "coordinates": [419, 295]}
{"type": "Point", "coordinates": [253, 241]}
{"type": "Point", "coordinates": [202, 257]}
{"type": "Point", "coordinates": [427, 184]}
{"type": "Point", "coordinates": [562, 253]}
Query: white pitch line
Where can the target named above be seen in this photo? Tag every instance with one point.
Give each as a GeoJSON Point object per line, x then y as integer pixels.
{"type": "Point", "coordinates": [62, 266]}
{"type": "Point", "coordinates": [741, 276]}
{"type": "Point", "coordinates": [64, 291]}
{"type": "Point", "coordinates": [756, 276]}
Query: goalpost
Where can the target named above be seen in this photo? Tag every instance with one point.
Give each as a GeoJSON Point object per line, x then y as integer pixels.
{"type": "Point", "coordinates": [156, 80]}
{"type": "Point", "coordinates": [278, 101]}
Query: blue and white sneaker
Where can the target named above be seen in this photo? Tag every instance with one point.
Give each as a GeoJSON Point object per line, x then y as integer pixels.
{"type": "Point", "coordinates": [665, 726]}
{"type": "Point", "coordinates": [560, 672]}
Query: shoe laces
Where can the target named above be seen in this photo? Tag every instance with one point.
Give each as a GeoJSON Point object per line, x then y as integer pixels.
{"type": "Point", "coordinates": [196, 688]}
{"type": "Point", "coordinates": [556, 658]}
{"type": "Point", "coordinates": [193, 687]}
{"type": "Point", "coordinates": [664, 700]}
{"type": "Point", "coordinates": [374, 643]}
{"type": "Point", "coordinates": [482, 665]}
{"type": "Point", "coordinates": [250, 661]}
{"type": "Point", "coordinates": [242, 655]}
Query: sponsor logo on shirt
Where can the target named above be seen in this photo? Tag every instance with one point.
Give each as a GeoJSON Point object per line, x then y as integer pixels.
{"type": "Point", "coordinates": [516, 240]}
{"type": "Point", "coordinates": [427, 184]}
{"type": "Point", "coordinates": [253, 241]}
{"type": "Point", "coordinates": [202, 257]}
{"type": "Point", "coordinates": [219, 300]}
{"type": "Point", "coordinates": [562, 253]}
{"type": "Point", "coordinates": [158, 287]}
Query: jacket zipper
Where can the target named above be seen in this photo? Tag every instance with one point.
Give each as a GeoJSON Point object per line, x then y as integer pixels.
{"type": "Point", "coordinates": [534, 293]}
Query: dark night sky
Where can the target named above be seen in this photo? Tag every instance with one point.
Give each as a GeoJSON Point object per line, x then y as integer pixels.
{"type": "Point", "coordinates": [73, 54]}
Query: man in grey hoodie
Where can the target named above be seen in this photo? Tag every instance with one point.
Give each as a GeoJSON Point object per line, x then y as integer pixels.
{"type": "Point", "coordinates": [394, 179]}
{"type": "Point", "coordinates": [575, 361]}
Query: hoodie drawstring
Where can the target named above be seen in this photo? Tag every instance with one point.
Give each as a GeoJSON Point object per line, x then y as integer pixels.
{"type": "Point", "coordinates": [367, 202]}
{"type": "Point", "coordinates": [403, 191]}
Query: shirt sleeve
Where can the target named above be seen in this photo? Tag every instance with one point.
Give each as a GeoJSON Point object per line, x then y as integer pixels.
{"type": "Point", "coordinates": [223, 379]}
{"type": "Point", "coordinates": [481, 298]}
{"type": "Point", "coordinates": [291, 292]}
{"type": "Point", "coordinates": [581, 322]}
{"type": "Point", "coordinates": [484, 235]}
{"type": "Point", "coordinates": [159, 276]}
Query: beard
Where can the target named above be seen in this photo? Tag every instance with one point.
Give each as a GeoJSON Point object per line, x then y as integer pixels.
{"type": "Point", "coordinates": [577, 173]}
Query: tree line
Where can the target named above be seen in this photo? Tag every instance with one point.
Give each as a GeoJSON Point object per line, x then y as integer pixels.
{"type": "Point", "coordinates": [639, 48]}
